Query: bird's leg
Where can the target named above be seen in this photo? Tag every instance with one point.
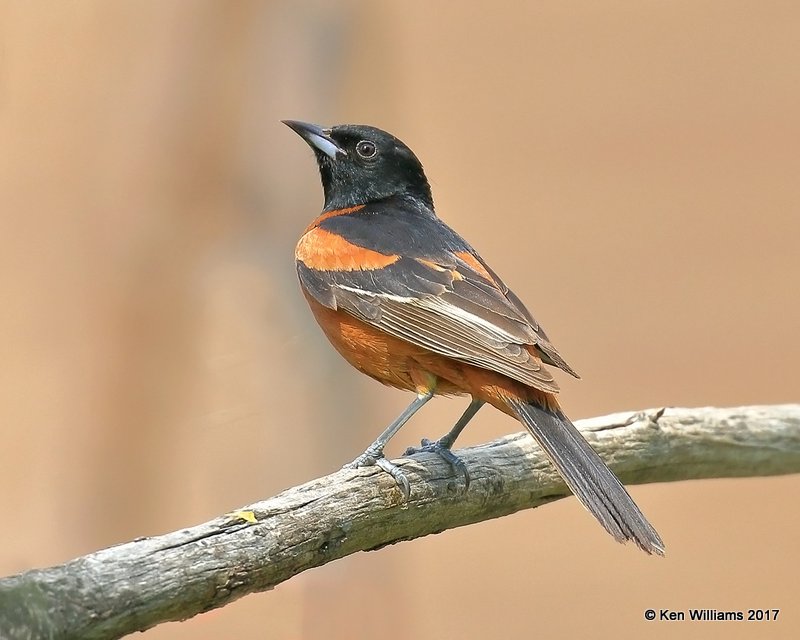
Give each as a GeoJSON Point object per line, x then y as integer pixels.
{"type": "Point", "coordinates": [442, 447]}
{"type": "Point", "coordinates": [374, 453]}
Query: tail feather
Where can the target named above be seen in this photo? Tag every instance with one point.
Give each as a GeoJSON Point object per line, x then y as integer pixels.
{"type": "Point", "coordinates": [592, 482]}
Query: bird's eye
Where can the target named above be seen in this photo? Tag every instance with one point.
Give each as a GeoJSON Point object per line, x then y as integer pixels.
{"type": "Point", "coordinates": [366, 149]}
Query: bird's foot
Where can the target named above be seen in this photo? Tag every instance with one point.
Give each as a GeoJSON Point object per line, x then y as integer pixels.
{"type": "Point", "coordinates": [442, 449]}
{"type": "Point", "coordinates": [375, 458]}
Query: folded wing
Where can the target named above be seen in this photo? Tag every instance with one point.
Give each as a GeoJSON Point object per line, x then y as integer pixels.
{"type": "Point", "coordinates": [453, 305]}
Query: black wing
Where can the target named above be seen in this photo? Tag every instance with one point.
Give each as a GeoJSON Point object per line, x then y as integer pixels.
{"type": "Point", "coordinates": [438, 294]}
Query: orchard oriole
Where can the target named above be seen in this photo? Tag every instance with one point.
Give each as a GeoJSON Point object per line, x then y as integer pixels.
{"type": "Point", "coordinates": [407, 301]}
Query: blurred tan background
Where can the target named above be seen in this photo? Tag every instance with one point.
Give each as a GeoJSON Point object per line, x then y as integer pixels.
{"type": "Point", "coordinates": [630, 168]}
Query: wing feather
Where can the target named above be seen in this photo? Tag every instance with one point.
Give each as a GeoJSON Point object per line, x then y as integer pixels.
{"type": "Point", "coordinates": [445, 299]}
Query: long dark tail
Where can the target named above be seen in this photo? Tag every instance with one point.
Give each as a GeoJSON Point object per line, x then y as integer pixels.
{"type": "Point", "coordinates": [592, 482]}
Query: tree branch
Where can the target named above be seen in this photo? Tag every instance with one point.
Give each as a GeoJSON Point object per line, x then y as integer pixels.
{"type": "Point", "coordinates": [134, 586]}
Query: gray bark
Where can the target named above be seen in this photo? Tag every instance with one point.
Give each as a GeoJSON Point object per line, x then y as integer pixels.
{"type": "Point", "coordinates": [134, 586]}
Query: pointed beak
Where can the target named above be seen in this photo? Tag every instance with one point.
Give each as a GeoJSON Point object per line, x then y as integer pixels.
{"type": "Point", "coordinates": [316, 137]}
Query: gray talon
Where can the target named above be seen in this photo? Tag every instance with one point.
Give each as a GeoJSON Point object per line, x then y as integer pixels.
{"type": "Point", "coordinates": [444, 452]}
{"type": "Point", "coordinates": [399, 477]}
{"type": "Point", "coordinates": [376, 459]}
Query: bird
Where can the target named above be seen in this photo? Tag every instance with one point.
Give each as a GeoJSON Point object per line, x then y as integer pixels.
{"type": "Point", "coordinates": [407, 301]}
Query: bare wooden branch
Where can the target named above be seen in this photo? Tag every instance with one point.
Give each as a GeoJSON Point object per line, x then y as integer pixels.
{"type": "Point", "coordinates": [139, 584]}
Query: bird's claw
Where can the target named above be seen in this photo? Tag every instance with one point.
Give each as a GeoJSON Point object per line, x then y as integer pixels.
{"type": "Point", "coordinates": [443, 451]}
{"type": "Point", "coordinates": [376, 459]}
{"type": "Point", "coordinates": [398, 475]}
{"type": "Point", "coordinates": [366, 459]}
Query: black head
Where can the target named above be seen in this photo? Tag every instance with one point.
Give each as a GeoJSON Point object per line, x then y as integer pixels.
{"type": "Point", "coordinates": [361, 164]}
